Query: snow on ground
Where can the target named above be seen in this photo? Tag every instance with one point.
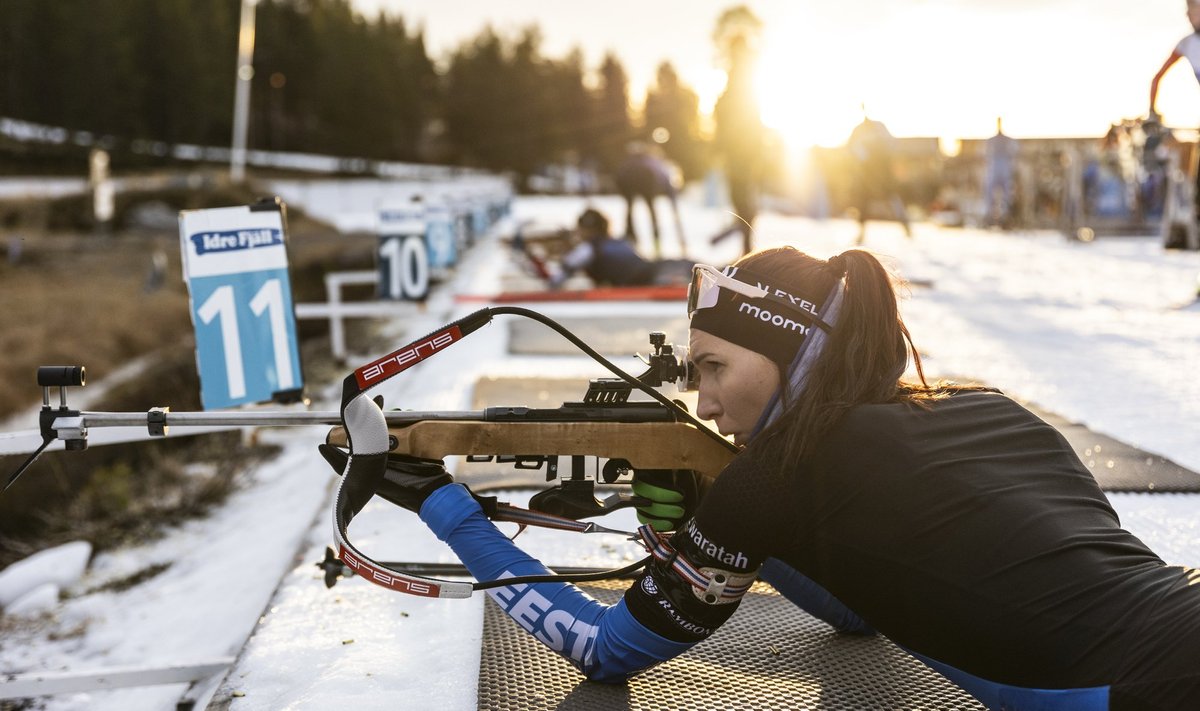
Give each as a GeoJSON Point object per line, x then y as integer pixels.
{"type": "Point", "coordinates": [220, 576]}
{"type": "Point", "coordinates": [1089, 331]}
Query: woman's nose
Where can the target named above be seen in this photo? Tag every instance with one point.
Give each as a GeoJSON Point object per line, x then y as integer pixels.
{"type": "Point", "coordinates": [707, 407]}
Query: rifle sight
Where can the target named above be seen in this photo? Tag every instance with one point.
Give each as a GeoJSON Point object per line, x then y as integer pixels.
{"type": "Point", "coordinates": [668, 364]}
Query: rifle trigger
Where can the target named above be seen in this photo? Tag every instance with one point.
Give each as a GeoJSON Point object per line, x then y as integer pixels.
{"type": "Point", "coordinates": [622, 500]}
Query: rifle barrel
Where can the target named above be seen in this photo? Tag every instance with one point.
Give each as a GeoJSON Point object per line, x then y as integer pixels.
{"type": "Point", "coordinates": [631, 412]}
{"type": "Point", "coordinates": [218, 419]}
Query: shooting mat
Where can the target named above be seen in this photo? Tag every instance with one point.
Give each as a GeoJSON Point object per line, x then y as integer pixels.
{"type": "Point", "coordinates": [770, 655]}
{"type": "Point", "coordinates": [1119, 467]}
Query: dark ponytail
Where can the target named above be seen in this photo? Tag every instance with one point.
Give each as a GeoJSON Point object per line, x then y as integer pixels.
{"type": "Point", "coordinates": [862, 360]}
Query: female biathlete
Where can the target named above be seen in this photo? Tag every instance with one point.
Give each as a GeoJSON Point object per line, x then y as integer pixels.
{"type": "Point", "coordinates": [951, 520]}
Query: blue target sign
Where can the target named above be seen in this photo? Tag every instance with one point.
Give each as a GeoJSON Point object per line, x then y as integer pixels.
{"type": "Point", "coordinates": [440, 235]}
{"type": "Point", "coordinates": [235, 265]}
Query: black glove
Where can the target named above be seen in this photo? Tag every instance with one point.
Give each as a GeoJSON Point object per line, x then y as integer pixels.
{"type": "Point", "coordinates": [673, 494]}
{"type": "Point", "coordinates": [409, 480]}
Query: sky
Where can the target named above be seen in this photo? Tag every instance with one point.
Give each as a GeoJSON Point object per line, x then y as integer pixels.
{"type": "Point", "coordinates": [946, 68]}
{"type": "Point", "coordinates": [1047, 320]}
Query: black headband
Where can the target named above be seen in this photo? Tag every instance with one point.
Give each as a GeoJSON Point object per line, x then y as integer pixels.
{"type": "Point", "coordinates": [760, 325]}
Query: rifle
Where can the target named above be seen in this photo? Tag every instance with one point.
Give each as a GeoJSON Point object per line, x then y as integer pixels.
{"type": "Point", "coordinates": [631, 435]}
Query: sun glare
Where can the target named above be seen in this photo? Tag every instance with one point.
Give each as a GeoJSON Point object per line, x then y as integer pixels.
{"type": "Point", "coordinates": [816, 76]}
{"type": "Point", "coordinates": [800, 96]}
{"type": "Point", "coordinates": [708, 84]}
{"type": "Point", "coordinates": [804, 113]}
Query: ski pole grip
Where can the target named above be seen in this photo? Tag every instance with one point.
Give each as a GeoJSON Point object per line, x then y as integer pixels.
{"type": "Point", "coordinates": [60, 375]}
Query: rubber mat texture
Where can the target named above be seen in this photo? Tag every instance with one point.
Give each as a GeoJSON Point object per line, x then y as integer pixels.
{"type": "Point", "coordinates": [1119, 467]}
{"type": "Point", "coordinates": [770, 655]}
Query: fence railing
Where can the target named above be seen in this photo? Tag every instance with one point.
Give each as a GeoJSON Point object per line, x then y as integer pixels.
{"type": "Point", "coordinates": [204, 678]}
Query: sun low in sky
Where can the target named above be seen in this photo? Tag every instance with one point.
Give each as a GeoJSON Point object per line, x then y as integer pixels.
{"type": "Point", "coordinates": [949, 69]}
{"type": "Point", "coordinates": [944, 68]}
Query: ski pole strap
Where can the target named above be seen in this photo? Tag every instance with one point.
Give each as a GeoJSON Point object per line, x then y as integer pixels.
{"type": "Point", "coordinates": [368, 440]}
{"type": "Point", "coordinates": [713, 586]}
{"type": "Point", "coordinates": [527, 517]}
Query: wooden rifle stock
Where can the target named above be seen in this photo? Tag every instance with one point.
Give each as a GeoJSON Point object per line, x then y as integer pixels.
{"type": "Point", "coordinates": [645, 445]}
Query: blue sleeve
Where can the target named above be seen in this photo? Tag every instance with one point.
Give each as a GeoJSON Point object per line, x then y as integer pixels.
{"type": "Point", "coordinates": [812, 598]}
{"type": "Point", "coordinates": [605, 643]}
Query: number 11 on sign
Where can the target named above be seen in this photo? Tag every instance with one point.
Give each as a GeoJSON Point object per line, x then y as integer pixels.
{"type": "Point", "coordinates": [222, 305]}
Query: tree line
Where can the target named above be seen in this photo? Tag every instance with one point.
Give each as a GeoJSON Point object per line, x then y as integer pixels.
{"type": "Point", "coordinates": [328, 80]}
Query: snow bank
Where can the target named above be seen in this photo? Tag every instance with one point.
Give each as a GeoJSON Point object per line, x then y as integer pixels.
{"type": "Point", "coordinates": [43, 598]}
{"type": "Point", "coordinates": [60, 567]}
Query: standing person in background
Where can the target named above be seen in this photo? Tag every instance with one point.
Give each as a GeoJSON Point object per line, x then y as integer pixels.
{"type": "Point", "coordinates": [871, 148]}
{"type": "Point", "coordinates": [1188, 47]}
{"type": "Point", "coordinates": [644, 175]}
{"type": "Point", "coordinates": [1000, 177]}
{"type": "Point", "coordinates": [739, 130]}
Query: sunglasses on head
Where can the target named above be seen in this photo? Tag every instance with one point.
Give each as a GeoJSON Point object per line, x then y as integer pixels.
{"type": "Point", "coordinates": [707, 282]}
